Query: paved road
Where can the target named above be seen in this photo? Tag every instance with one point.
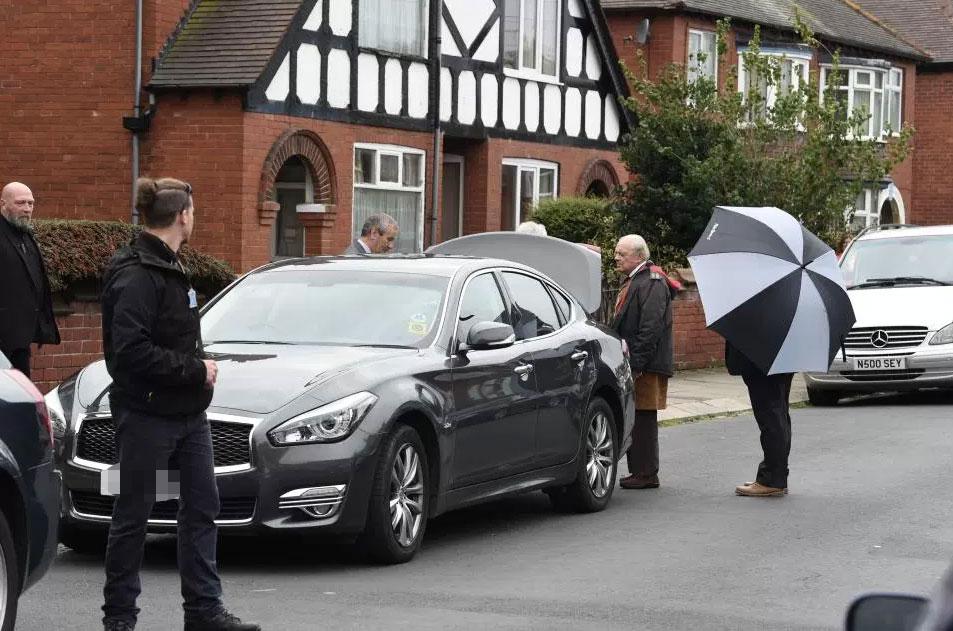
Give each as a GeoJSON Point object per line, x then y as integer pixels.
{"type": "Point", "coordinates": [870, 508]}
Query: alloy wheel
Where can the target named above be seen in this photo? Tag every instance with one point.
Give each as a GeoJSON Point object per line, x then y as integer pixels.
{"type": "Point", "coordinates": [599, 465]}
{"type": "Point", "coordinates": [407, 496]}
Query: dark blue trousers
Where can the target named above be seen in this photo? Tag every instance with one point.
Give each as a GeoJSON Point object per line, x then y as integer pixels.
{"type": "Point", "coordinates": [146, 446]}
{"type": "Point", "coordinates": [769, 400]}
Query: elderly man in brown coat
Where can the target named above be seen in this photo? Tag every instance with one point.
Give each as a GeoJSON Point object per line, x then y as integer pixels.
{"type": "Point", "coordinates": [643, 318]}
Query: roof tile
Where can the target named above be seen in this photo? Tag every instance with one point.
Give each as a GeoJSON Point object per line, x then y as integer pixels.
{"type": "Point", "coordinates": [835, 20]}
{"type": "Point", "coordinates": [225, 43]}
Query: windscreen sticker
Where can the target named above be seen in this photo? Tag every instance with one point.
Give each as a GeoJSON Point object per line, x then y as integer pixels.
{"type": "Point", "coordinates": [417, 325]}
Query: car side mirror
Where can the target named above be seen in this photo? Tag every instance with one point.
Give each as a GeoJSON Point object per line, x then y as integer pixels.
{"type": "Point", "coordinates": [886, 612]}
{"type": "Point", "coordinates": [489, 335]}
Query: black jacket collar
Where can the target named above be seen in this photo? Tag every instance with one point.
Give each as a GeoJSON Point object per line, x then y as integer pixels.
{"type": "Point", "coordinates": [154, 252]}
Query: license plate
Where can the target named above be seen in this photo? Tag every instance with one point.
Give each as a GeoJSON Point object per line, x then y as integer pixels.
{"type": "Point", "coordinates": [880, 363]}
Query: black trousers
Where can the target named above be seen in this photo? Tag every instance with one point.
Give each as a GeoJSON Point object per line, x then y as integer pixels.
{"type": "Point", "coordinates": [642, 456]}
{"type": "Point", "coordinates": [146, 446]}
{"type": "Point", "coordinates": [769, 396]}
{"type": "Point", "coordinates": [20, 358]}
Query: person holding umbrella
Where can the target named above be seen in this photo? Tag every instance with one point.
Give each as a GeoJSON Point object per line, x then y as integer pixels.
{"type": "Point", "coordinates": [774, 291]}
{"type": "Point", "coordinates": [769, 395]}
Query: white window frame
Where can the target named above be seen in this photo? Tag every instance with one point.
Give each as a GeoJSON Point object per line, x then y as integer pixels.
{"type": "Point", "coordinates": [894, 88]}
{"type": "Point", "coordinates": [797, 60]}
{"type": "Point", "coordinates": [885, 89]}
{"type": "Point", "coordinates": [530, 166]}
{"type": "Point", "coordinates": [400, 152]}
{"type": "Point", "coordinates": [536, 72]}
{"type": "Point", "coordinates": [692, 64]}
{"type": "Point", "coordinates": [426, 34]}
{"type": "Point", "coordinates": [870, 214]}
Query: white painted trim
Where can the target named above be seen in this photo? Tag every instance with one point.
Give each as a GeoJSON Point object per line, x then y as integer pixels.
{"type": "Point", "coordinates": [533, 166]}
{"type": "Point", "coordinates": [534, 72]}
{"type": "Point", "coordinates": [714, 53]}
{"type": "Point", "coordinates": [531, 75]}
{"type": "Point", "coordinates": [885, 90]}
{"type": "Point", "coordinates": [398, 187]}
{"type": "Point", "coordinates": [892, 193]}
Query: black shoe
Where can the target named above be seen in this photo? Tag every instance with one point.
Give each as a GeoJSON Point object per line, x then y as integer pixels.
{"type": "Point", "coordinates": [222, 621]}
{"type": "Point", "coordinates": [118, 625]}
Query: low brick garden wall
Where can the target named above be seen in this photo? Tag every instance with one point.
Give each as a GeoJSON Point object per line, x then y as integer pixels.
{"type": "Point", "coordinates": [80, 322]}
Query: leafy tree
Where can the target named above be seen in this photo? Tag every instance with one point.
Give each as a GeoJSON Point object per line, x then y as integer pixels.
{"type": "Point", "coordinates": [696, 147]}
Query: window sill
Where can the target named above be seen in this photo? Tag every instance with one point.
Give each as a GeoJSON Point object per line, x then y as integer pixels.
{"type": "Point", "coordinates": [532, 75]}
{"type": "Point", "coordinates": [380, 52]}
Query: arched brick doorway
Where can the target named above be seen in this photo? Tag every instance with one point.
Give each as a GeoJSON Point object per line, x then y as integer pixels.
{"type": "Point", "coordinates": [297, 156]}
{"type": "Point", "coordinates": [598, 179]}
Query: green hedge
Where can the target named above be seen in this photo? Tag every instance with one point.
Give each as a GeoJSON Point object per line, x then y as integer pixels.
{"type": "Point", "coordinates": [582, 220]}
{"type": "Point", "coordinates": [78, 251]}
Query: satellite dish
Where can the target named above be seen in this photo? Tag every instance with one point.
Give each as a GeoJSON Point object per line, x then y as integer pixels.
{"type": "Point", "coordinates": [642, 32]}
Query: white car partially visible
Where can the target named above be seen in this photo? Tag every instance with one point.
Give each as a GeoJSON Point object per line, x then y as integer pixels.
{"type": "Point", "coordinates": [900, 282]}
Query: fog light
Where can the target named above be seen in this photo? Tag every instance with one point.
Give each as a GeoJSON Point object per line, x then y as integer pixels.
{"type": "Point", "coordinates": [317, 502]}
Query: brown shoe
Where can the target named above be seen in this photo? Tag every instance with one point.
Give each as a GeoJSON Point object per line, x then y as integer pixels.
{"type": "Point", "coordinates": [634, 482]}
{"type": "Point", "coordinates": [750, 483]}
{"type": "Point", "coordinates": [755, 489]}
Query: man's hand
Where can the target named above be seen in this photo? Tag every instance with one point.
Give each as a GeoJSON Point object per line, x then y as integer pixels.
{"type": "Point", "coordinates": [211, 372]}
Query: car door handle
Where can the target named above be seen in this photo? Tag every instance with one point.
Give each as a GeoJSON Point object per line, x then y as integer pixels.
{"type": "Point", "coordinates": [523, 370]}
{"type": "Point", "coordinates": [579, 356]}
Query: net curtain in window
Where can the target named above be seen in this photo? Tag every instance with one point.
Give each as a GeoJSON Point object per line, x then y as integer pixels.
{"type": "Point", "coordinates": [398, 26]}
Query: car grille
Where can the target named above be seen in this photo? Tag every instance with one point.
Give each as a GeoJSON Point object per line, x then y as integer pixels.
{"type": "Point", "coordinates": [884, 338]}
{"type": "Point", "coordinates": [96, 505]}
{"type": "Point", "coordinates": [881, 375]}
{"type": "Point", "coordinates": [230, 442]}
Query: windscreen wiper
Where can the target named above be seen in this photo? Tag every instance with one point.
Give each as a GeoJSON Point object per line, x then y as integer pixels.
{"type": "Point", "coordinates": [899, 280]}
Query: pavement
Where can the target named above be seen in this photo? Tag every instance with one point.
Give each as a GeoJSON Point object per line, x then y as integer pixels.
{"type": "Point", "coordinates": [869, 510]}
{"type": "Point", "coordinates": [712, 392]}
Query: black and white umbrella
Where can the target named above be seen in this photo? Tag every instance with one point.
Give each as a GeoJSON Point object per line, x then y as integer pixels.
{"type": "Point", "coordinates": [772, 289]}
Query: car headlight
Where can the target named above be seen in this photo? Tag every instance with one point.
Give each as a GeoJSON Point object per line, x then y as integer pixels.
{"type": "Point", "coordinates": [57, 416]}
{"type": "Point", "coordinates": [943, 336]}
{"type": "Point", "coordinates": [327, 423]}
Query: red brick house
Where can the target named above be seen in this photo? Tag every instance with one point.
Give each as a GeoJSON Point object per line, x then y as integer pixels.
{"type": "Point", "coordinates": [295, 119]}
{"type": "Point", "coordinates": [881, 67]}
{"type": "Point", "coordinates": [929, 24]}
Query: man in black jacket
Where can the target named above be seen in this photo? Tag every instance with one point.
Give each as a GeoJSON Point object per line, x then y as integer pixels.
{"type": "Point", "coordinates": [643, 318]}
{"type": "Point", "coordinates": [162, 385]}
{"type": "Point", "coordinates": [26, 305]}
{"type": "Point", "coordinates": [769, 396]}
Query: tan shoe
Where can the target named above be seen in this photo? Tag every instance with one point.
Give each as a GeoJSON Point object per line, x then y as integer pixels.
{"type": "Point", "coordinates": [750, 483]}
{"type": "Point", "coordinates": [756, 489]}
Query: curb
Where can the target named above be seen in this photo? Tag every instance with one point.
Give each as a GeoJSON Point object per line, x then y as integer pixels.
{"type": "Point", "coordinates": [715, 416]}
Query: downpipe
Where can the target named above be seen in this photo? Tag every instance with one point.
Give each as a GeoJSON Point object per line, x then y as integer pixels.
{"type": "Point", "coordinates": [435, 48]}
{"type": "Point", "coordinates": [137, 110]}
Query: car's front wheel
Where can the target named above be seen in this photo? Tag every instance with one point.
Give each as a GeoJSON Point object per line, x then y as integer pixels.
{"type": "Point", "coordinates": [595, 480]}
{"type": "Point", "coordinates": [822, 398]}
{"type": "Point", "coordinates": [397, 515]}
{"type": "Point", "coordinates": [9, 577]}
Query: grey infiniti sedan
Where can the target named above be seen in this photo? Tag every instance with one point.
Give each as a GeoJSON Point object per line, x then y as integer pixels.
{"type": "Point", "coordinates": [360, 396]}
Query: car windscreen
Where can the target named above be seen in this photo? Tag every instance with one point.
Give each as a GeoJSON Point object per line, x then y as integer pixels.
{"type": "Point", "coordinates": [911, 257]}
{"type": "Point", "coordinates": [345, 308]}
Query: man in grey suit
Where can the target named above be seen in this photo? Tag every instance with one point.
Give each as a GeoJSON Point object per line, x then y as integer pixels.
{"type": "Point", "coordinates": [378, 236]}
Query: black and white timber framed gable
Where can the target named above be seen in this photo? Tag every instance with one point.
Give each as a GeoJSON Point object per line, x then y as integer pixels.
{"type": "Point", "coordinates": [533, 70]}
